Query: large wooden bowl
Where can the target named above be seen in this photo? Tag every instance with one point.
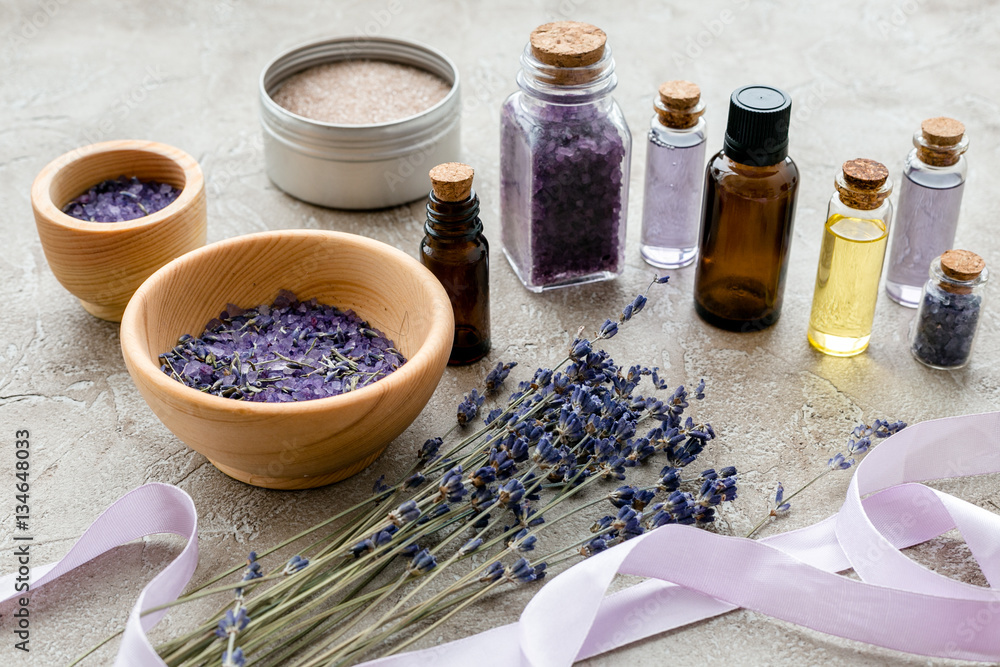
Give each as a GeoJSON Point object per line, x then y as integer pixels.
{"type": "Point", "coordinates": [102, 263]}
{"type": "Point", "coordinates": [308, 443]}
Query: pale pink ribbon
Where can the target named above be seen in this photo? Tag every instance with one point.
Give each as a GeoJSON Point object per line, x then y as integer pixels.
{"type": "Point", "coordinates": [694, 574]}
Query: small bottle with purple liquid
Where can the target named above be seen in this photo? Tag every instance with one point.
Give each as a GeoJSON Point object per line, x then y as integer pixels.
{"type": "Point", "coordinates": [930, 197]}
{"type": "Point", "coordinates": [564, 161]}
{"type": "Point", "coordinates": [675, 164]}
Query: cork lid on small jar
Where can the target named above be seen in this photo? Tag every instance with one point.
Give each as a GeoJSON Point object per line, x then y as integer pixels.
{"type": "Point", "coordinates": [568, 44]}
{"type": "Point", "coordinates": [865, 174]}
{"type": "Point", "coordinates": [678, 105]}
{"type": "Point", "coordinates": [940, 141]}
{"type": "Point", "coordinates": [864, 184]}
{"type": "Point", "coordinates": [942, 131]}
{"type": "Point", "coordinates": [452, 181]}
{"type": "Point", "coordinates": [962, 265]}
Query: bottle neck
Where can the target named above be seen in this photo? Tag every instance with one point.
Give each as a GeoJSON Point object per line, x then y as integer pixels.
{"type": "Point", "coordinates": [678, 119]}
{"type": "Point", "coordinates": [953, 285]}
{"type": "Point", "coordinates": [939, 156]}
{"type": "Point", "coordinates": [862, 199]}
{"type": "Point", "coordinates": [453, 220]}
{"type": "Point", "coordinates": [750, 170]}
{"type": "Point", "coordinates": [567, 85]}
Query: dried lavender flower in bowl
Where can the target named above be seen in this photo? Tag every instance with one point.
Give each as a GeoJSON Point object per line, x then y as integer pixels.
{"type": "Point", "coordinates": [304, 443]}
{"type": "Point", "coordinates": [287, 351]}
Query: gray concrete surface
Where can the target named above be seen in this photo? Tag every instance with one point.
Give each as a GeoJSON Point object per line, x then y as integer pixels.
{"type": "Point", "coordinates": [862, 76]}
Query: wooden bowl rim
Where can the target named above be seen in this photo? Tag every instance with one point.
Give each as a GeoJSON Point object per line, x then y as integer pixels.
{"type": "Point", "coordinates": [439, 337]}
{"type": "Point", "coordinates": [194, 185]}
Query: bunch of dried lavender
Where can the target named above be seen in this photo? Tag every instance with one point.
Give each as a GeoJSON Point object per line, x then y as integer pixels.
{"type": "Point", "coordinates": [477, 509]}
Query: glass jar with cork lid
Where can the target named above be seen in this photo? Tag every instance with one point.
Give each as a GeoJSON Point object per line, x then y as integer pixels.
{"type": "Point", "coordinates": [930, 198]}
{"type": "Point", "coordinates": [949, 311]}
{"type": "Point", "coordinates": [850, 259]}
{"type": "Point", "coordinates": [565, 150]}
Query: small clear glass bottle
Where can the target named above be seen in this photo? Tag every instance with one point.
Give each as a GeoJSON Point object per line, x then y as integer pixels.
{"type": "Point", "coordinates": [456, 252]}
{"type": "Point", "coordinates": [675, 164]}
{"type": "Point", "coordinates": [850, 259]}
{"type": "Point", "coordinates": [948, 316]}
{"type": "Point", "coordinates": [930, 198]}
{"type": "Point", "coordinates": [747, 215]}
{"type": "Point", "coordinates": [565, 151]}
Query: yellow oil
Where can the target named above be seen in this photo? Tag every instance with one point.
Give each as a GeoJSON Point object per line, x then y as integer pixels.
{"type": "Point", "coordinates": [850, 265]}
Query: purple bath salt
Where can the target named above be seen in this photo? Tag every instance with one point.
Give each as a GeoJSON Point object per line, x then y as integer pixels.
{"type": "Point", "coordinates": [563, 195]}
{"type": "Point", "coordinates": [120, 199]}
{"type": "Point", "coordinates": [289, 351]}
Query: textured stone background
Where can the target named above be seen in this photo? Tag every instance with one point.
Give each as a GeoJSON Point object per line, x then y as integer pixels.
{"type": "Point", "coordinates": [862, 76]}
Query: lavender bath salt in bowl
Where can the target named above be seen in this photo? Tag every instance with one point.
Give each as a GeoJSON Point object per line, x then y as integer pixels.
{"type": "Point", "coordinates": [304, 443]}
{"type": "Point", "coordinates": [102, 263]}
{"type": "Point", "coordinates": [355, 123]}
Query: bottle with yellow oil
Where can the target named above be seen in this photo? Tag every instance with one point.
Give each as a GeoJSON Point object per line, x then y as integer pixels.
{"type": "Point", "coordinates": [850, 259]}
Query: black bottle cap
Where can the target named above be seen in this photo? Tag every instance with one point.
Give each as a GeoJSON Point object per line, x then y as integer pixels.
{"type": "Point", "coordinates": [757, 133]}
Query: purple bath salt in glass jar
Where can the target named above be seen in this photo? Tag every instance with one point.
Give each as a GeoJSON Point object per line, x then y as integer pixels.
{"type": "Point", "coordinates": [930, 197]}
{"type": "Point", "coordinates": [565, 150]}
{"type": "Point", "coordinates": [675, 168]}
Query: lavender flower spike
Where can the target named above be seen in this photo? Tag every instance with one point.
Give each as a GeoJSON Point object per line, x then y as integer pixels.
{"type": "Point", "coordinates": [469, 407]}
{"type": "Point", "coordinates": [778, 505]}
{"type": "Point", "coordinates": [236, 659]}
{"type": "Point", "coordinates": [495, 378]}
{"type": "Point", "coordinates": [232, 623]}
{"type": "Point", "coordinates": [839, 463]}
{"type": "Point", "coordinates": [404, 514]}
{"type": "Point", "coordinates": [295, 564]}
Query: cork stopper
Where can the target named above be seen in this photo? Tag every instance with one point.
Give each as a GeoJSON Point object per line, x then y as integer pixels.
{"type": "Point", "coordinates": [452, 181]}
{"type": "Point", "coordinates": [568, 44]}
{"type": "Point", "coordinates": [942, 131]}
{"type": "Point", "coordinates": [680, 95]}
{"type": "Point", "coordinates": [962, 265]}
{"type": "Point", "coordinates": [678, 105]}
{"type": "Point", "coordinates": [863, 184]}
{"type": "Point", "coordinates": [940, 141]}
{"type": "Point", "coordinates": [864, 174]}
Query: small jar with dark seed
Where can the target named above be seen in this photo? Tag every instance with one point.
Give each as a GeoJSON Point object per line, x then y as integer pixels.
{"type": "Point", "coordinates": [949, 310]}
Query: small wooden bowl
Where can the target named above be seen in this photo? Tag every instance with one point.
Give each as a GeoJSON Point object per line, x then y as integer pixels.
{"type": "Point", "coordinates": [307, 443]}
{"type": "Point", "coordinates": [102, 263]}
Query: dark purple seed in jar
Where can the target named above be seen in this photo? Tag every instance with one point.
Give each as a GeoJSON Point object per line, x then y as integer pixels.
{"type": "Point", "coordinates": [946, 328]}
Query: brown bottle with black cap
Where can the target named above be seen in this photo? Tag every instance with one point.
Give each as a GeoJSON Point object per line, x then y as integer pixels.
{"type": "Point", "coordinates": [455, 251]}
{"type": "Point", "coordinates": [747, 215]}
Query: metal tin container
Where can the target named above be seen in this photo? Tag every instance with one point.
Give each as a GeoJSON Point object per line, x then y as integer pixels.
{"type": "Point", "coordinates": [358, 166]}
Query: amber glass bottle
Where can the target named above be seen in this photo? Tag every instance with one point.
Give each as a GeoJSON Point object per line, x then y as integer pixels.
{"type": "Point", "coordinates": [455, 251]}
{"type": "Point", "coordinates": [747, 215]}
